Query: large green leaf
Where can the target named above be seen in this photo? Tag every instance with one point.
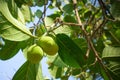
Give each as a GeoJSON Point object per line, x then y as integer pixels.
{"type": "Point", "coordinates": [69, 52]}
{"type": "Point", "coordinates": [10, 49]}
{"type": "Point", "coordinates": [10, 32]}
{"type": "Point", "coordinates": [111, 53]}
{"type": "Point", "coordinates": [17, 24]}
{"type": "Point", "coordinates": [28, 71]}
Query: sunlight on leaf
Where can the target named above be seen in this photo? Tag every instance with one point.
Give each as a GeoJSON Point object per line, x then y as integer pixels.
{"type": "Point", "coordinates": [5, 11]}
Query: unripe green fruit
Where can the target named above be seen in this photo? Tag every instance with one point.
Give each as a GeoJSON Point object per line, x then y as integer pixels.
{"type": "Point", "coordinates": [34, 54]}
{"type": "Point", "coordinates": [48, 45]}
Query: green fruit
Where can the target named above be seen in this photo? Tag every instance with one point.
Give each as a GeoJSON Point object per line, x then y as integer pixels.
{"type": "Point", "coordinates": [34, 54]}
{"type": "Point", "coordinates": [48, 45]}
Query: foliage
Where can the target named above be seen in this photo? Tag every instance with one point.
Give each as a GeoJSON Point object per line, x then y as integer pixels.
{"type": "Point", "coordinates": [87, 33]}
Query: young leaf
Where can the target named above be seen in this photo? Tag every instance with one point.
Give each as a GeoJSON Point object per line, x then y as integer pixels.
{"type": "Point", "coordinates": [69, 52]}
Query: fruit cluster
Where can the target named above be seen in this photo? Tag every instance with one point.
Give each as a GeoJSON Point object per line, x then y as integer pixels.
{"type": "Point", "coordinates": [44, 44]}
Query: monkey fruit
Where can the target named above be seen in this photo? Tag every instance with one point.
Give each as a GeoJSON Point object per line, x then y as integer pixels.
{"type": "Point", "coordinates": [48, 45]}
{"type": "Point", "coordinates": [34, 54]}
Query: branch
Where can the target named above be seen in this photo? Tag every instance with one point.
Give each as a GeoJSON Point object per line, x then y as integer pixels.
{"type": "Point", "coordinates": [89, 40]}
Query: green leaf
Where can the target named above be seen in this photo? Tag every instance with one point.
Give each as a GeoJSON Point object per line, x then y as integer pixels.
{"type": "Point", "coordinates": [38, 13]}
{"type": "Point", "coordinates": [55, 15]}
{"type": "Point", "coordinates": [26, 12]}
{"type": "Point", "coordinates": [21, 16]}
{"type": "Point", "coordinates": [82, 43]}
{"type": "Point", "coordinates": [55, 71]}
{"type": "Point", "coordinates": [115, 10]}
{"type": "Point", "coordinates": [63, 29]}
{"type": "Point", "coordinates": [114, 70]}
{"type": "Point", "coordinates": [95, 67]}
{"type": "Point", "coordinates": [103, 73]}
{"type": "Point", "coordinates": [58, 62]}
{"type": "Point", "coordinates": [40, 3]}
{"type": "Point", "coordinates": [13, 8]}
{"type": "Point", "coordinates": [87, 14]}
{"type": "Point", "coordinates": [111, 53]}
{"type": "Point", "coordinates": [68, 8]}
{"type": "Point", "coordinates": [10, 32]}
{"type": "Point", "coordinates": [69, 52]}
{"type": "Point", "coordinates": [28, 71]}
{"type": "Point", "coordinates": [71, 19]}
{"type": "Point", "coordinates": [39, 75]}
{"type": "Point", "coordinates": [48, 21]}
{"type": "Point", "coordinates": [10, 49]}
{"type": "Point", "coordinates": [17, 24]}
{"type": "Point", "coordinates": [40, 30]}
